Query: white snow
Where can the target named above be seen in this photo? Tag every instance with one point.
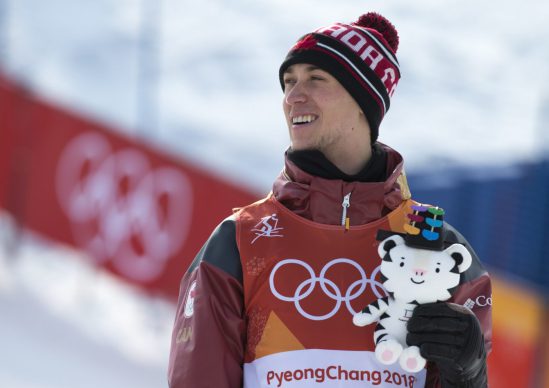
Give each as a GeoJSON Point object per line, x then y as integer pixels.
{"type": "Point", "coordinates": [64, 324]}
{"type": "Point", "coordinates": [474, 92]}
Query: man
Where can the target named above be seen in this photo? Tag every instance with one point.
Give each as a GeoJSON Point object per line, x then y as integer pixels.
{"type": "Point", "coordinates": [269, 299]}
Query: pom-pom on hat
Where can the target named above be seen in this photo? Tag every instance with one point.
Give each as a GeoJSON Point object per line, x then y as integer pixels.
{"type": "Point", "coordinates": [361, 56]}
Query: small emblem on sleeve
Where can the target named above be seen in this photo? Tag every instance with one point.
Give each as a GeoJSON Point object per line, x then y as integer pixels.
{"type": "Point", "coordinates": [184, 335]}
{"type": "Point", "coordinates": [479, 301]}
{"type": "Point", "coordinates": [189, 301]}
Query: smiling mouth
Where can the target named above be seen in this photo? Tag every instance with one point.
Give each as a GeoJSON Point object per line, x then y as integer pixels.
{"type": "Point", "coordinates": [304, 119]}
{"type": "Point", "coordinates": [413, 281]}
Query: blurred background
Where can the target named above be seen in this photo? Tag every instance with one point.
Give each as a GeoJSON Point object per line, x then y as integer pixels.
{"type": "Point", "coordinates": [130, 128]}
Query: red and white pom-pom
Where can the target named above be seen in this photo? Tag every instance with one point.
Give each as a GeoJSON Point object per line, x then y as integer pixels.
{"type": "Point", "coordinates": [379, 23]}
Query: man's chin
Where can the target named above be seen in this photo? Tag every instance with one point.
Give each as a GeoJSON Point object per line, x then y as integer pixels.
{"type": "Point", "coordinates": [302, 144]}
{"type": "Point", "coordinates": [302, 147]}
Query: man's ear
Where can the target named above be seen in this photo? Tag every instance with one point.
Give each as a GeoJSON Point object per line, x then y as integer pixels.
{"type": "Point", "coordinates": [461, 255]}
{"type": "Point", "coordinates": [388, 244]}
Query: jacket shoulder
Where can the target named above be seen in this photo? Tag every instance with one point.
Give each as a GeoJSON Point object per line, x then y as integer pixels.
{"type": "Point", "coordinates": [453, 236]}
{"type": "Point", "coordinates": [220, 250]}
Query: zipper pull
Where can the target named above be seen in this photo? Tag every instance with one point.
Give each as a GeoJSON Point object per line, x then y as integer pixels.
{"type": "Point", "coordinates": [345, 204]}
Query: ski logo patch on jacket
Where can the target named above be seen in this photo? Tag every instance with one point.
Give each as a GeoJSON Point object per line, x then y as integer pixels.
{"type": "Point", "coordinates": [267, 227]}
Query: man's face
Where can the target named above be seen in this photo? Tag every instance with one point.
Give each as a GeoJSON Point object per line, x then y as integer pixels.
{"type": "Point", "coordinates": [320, 113]}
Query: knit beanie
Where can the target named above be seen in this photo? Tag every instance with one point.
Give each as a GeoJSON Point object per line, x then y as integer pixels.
{"type": "Point", "coordinates": [361, 56]}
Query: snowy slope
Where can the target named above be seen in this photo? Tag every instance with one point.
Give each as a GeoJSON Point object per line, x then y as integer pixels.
{"type": "Point", "coordinates": [63, 324]}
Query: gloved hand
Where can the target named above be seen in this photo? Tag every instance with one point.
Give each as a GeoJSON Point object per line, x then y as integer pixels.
{"type": "Point", "coordinates": [450, 336]}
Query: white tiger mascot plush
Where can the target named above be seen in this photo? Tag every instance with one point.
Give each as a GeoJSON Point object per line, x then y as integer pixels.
{"type": "Point", "coordinates": [411, 276]}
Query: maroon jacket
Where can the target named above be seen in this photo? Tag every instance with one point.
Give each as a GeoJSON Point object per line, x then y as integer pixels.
{"type": "Point", "coordinates": [210, 332]}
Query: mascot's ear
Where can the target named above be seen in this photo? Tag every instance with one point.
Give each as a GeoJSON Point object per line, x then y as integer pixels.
{"type": "Point", "coordinates": [461, 255]}
{"type": "Point", "coordinates": [388, 244]}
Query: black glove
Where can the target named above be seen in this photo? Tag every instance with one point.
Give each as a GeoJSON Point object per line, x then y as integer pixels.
{"type": "Point", "coordinates": [450, 336]}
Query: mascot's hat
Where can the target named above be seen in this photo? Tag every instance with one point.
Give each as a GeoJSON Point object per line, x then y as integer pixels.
{"type": "Point", "coordinates": [424, 228]}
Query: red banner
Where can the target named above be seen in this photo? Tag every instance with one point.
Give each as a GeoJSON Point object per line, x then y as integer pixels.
{"type": "Point", "coordinates": [139, 213]}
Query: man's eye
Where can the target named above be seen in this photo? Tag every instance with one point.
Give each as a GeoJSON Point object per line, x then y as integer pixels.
{"type": "Point", "coordinates": [317, 78]}
{"type": "Point", "coordinates": [289, 81]}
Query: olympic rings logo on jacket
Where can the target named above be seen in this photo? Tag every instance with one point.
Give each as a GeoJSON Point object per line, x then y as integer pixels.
{"type": "Point", "coordinates": [329, 287]}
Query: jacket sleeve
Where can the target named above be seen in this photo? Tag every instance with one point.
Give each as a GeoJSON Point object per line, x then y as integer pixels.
{"type": "Point", "coordinates": [208, 339]}
{"type": "Point", "coordinates": [473, 292]}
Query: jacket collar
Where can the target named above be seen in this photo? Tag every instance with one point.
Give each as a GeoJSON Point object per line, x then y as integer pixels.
{"type": "Point", "coordinates": [320, 200]}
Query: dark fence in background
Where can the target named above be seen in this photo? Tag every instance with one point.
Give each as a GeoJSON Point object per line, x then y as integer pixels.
{"type": "Point", "coordinates": [503, 213]}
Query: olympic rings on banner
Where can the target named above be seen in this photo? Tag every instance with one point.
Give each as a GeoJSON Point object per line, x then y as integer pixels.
{"type": "Point", "coordinates": [122, 209]}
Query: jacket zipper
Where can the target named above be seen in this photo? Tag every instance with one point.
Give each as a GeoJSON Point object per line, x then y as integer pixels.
{"type": "Point", "coordinates": [345, 204]}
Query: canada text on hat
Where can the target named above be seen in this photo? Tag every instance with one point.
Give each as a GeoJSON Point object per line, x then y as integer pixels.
{"type": "Point", "coordinates": [369, 48]}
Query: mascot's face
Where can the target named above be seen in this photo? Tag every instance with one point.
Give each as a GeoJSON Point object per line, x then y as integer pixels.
{"type": "Point", "coordinates": [421, 275]}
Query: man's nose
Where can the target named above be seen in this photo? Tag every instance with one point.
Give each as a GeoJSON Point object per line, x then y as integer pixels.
{"type": "Point", "coordinates": [296, 94]}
